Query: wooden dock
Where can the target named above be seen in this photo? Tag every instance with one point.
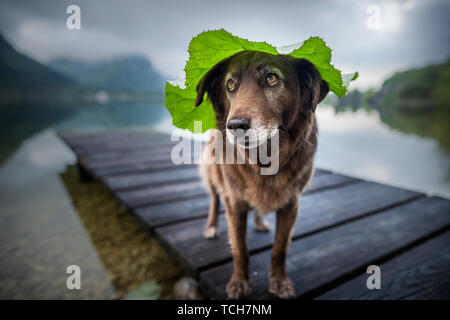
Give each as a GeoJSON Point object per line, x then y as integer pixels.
{"type": "Point", "coordinates": [345, 224]}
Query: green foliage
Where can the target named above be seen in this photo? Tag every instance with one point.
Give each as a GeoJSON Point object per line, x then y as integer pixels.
{"type": "Point", "coordinates": [440, 93]}
{"type": "Point", "coordinates": [210, 47]}
{"type": "Point", "coordinates": [416, 88]}
{"type": "Point", "coordinates": [316, 51]}
{"type": "Point", "coordinates": [412, 101]}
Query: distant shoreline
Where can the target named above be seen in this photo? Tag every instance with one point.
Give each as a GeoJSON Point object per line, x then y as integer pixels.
{"type": "Point", "coordinates": [77, 96]}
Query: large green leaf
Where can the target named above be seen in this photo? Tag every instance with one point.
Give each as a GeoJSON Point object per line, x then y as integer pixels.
{"type": "Point", "coordinates": [210, 47]}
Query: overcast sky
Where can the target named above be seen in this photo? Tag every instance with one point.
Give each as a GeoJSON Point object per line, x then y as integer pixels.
{"type": "Point", "coordinates": [409, 33]}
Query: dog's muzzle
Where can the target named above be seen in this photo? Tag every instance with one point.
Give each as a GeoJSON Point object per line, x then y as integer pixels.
{"type": "Point", "coordinates": [251, 138]}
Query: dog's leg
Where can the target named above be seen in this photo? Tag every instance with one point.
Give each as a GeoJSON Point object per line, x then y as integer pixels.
{"type": "Point", "coordinates": [279, 284]}
{"type": "Point", "coordinates": [261, 224]}
{"type": "Point", "coordinates": [237, 231]}
{"type": "Point", "coordinates": [211, 230]}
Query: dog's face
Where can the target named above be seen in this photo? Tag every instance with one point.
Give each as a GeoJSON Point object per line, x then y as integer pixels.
{"type": "Point", "coordinates": [256, 90]}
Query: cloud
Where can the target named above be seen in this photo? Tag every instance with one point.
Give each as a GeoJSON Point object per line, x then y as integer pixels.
{"type": "Point", "coordinates": [416, 32]}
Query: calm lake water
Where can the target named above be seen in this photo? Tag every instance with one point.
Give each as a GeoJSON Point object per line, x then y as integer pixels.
{"type": "Point", "coordinates": [41, 234]}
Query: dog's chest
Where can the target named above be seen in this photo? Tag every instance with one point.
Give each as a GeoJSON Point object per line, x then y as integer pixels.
{"type": "Point", "coordinates": [266, 198]}
{"type": "Point", "coordinates": [268, 193]}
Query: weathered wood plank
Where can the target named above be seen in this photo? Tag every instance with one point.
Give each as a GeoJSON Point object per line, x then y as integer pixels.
{"type": "Point", "coordinates": [110, 133]}
{"type": "Point", "coordinates": [145, 196]}
{"type": "Point", "coordinates": [119, 155]}
{"type": "Point", "coordinates": [142, 167]}
{"type": "Point", "coordinates": [117, 161]}
{"type": "Point", "coordinates": [160, 194]}
{"type": "Point", "coordinates": [119, 146]}
{"type": "Point", "coordinates": [128, 146]}
{"type": "Point", "coordinates": [137, 180]}
{"type": "Point", "coordinates": [175, 211]}
{"type": "Point", "coordinates": [136, 166]}
{"type": "Point", "coordinates": [105, 136]}
{"type": "Point", "coordinates": [123, 147]}
{"type": "Point", "coordinates": [132, 159]}
{"type": "Point", "coordinates": [78, 142]}
{"type": "Point", "coordinates": [161, 157]}
{"type": "Point", "coordinates": [135, 163]}
{"type": "Point", "coordinates": [317, 211]}
{"type": "Point", "coordinates": [420, 273]}
{"type": "Point", "coordinates": [323, 181]}
{"type": "Point", "coordinates": [149, 179]}
{"type": "Point", "coordinates": [324, 259]}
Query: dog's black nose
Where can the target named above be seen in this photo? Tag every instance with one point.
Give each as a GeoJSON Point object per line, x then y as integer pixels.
{"type": "Point", "coordinates": [243, 124]}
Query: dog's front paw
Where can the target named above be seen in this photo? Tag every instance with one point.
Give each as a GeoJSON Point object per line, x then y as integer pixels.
{"type": "Point", "coordinates": [211, 232]}
{"type": "Point", "coordinates": [237, 289]}
{"type": "Point", "coordinates": [282, 288]}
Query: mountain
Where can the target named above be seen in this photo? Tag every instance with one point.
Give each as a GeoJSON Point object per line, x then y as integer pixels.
{"type": "Point", "coordinates": [426, 87]}
{"type": "Point", "coordinates": [128, 73]}
{"type": "Point", "coordinates": [414, 101]}
{"type": "Point", "coordinates": [20, 73]}
{"type": "Point", "coordinates": [423, 87]}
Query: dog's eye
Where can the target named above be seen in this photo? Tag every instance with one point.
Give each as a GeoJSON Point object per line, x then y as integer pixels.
{"type": "Point", "coordinates": [231, 85]}
{"type": "Point", "coordinates": [271, 79]}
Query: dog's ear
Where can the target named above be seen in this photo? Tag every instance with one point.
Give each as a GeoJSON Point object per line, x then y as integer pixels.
{"type": "Point", "coordinates": [210, 83]}
{"type": "Point", "coordinates": [312, 88]}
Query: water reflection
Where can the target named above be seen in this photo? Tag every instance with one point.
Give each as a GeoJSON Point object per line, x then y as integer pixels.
{"type": "Point", "coordinates": [20, 121]}
{"type": "Point", "coordinates": [358, 143]}
{"type": "Point", "coordinates": [430, 122]}
{"type": "Point", "coordinates": [41, 232]}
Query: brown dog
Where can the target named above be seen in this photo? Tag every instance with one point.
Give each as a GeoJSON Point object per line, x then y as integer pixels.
{"type": "Point", "coordinates": [259, 90]}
